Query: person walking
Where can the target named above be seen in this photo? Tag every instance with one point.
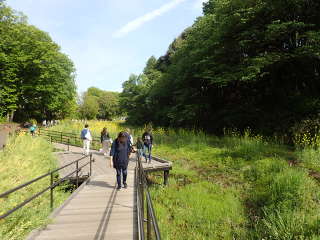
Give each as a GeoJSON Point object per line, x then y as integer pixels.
{"type": "Point", "coordinates": [33, 129]}
{"type": "Point", "coordinates": [147, 140]}
{"type": "Point", "coordinates": [105, 141]}
{"type": "Point", "coordinates": [140, 147]}
{"type": "Point", "coordinates": [120, 152]}
{"type": "Point", "coordinates": [130, 137]}
{"type": "Point", "coordinates": [86, 138]}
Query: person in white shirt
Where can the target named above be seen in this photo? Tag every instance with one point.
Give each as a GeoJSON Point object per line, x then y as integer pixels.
{"type": "Point", "coordinates": [87, 138]}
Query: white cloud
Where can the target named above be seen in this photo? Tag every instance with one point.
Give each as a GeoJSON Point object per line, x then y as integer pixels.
{"type": "Point", "coordinates": [138, 22]}
{"type": "Point", "coordinates": [199, 4]}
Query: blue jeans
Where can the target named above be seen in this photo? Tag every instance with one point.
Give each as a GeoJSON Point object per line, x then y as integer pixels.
{"type": "Point", "coordinates": [124, 172]}
{"type": "Point", "coordinates": [149, 149]}
{"type": "Point", "coordinates": [140, 153]}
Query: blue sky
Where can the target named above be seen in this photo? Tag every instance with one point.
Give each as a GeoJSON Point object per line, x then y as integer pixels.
{"type": "Point", "coordinates": [109, 39]}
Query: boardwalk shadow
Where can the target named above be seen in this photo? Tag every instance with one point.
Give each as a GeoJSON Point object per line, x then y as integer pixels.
{"type": "Point", "coordinates": [101, 184]}
{"type": "Point", "coordinates": [102, 229]}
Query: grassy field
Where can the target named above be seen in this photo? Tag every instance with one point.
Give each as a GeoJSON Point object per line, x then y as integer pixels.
{"type": "Point", "coordinates": [231, 187]}
{"type": "Point", "coordinates": [23, 159]}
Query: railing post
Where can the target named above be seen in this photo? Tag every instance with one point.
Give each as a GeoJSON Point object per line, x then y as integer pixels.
{"type": "Point", "coordinates": [140, 172]}
{"type": "Point", "coordinates": [90, 165]}
{"type": "Point", "coordinates": [148, 222]}
{"type": "Point", "coordinates": [165, 177]}
{"type": "Point", "coordinates": [61, 137]}
{"type": "Point", "coordinates": [68, 144]}
{"type": "Point", "coordinates": [77, 173]}
{"type": "Point", "coordinates": [51, 191]}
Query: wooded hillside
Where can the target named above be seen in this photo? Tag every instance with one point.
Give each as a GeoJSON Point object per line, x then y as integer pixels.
{"type": "Point", "coordinates": [245, 63]}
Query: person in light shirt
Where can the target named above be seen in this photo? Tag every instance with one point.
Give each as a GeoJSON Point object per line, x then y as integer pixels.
{"type": "Point", "coordinates": [86, 138]}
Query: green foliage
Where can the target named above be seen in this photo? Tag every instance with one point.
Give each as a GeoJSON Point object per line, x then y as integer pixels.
{"type": "Point", "coordinates": [89, 107]}
{"type": "Point", "coordinates": [99, 104]}
{"type": "Point", "coordinates": [199, 211]}
{"type": "Point", "coordinates": [244, 63]}
{"type": "Point", "coordinates": [23, 159]}
{"type": "Point", "coordinates": [238, 186]}
{"type": "Point", "coordinates": [307, 133]}
{"type": "Point", "coordinates": [136, 97]}
{"type": "Point", "coordinates": [36, 79]}
{"type": "Point", "coordinates": [278, 201]}
{"type": "Point", "coordinates": [288, 208]}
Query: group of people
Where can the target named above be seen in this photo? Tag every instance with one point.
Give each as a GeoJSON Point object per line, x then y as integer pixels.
{"type": "Point", "coordinates": [120, 149]}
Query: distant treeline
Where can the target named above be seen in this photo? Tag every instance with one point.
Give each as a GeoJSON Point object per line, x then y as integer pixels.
{"type": "Point", "coordinates": [36, 79]}
{"type": "Point", "coordinates": [99, 104]}
{"type": "Point", "coordinates": [245, 63]}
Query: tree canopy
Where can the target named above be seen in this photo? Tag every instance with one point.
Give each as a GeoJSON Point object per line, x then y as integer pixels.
{"type": "Point", "coordinates": [245, 63]}
{"type": "Point", "coordinates": [36, 78]}
{"type": "Point", "coordinates": [99, 104]}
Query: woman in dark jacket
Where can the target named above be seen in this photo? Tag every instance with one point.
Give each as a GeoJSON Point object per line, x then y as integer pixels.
{"type": "Point", "coordinates": [120, 152]}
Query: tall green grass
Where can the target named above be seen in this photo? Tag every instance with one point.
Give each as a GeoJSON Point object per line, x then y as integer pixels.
{"type": "Point", "coordinates": [23, 159]}
{"type": "Point", "coordinates": [274, 200]}
{"type": "Point", "coordinates": [233, 187]}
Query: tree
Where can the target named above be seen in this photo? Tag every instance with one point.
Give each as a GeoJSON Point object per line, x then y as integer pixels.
{"type": "Point", "coordinates": [36, 79]}
{"type": "Point", "coordinates": [108, 103]}
{"type": "Point", "coordinates": [243, 64]}
{"type": "Point", "coordinates": [89, 107]}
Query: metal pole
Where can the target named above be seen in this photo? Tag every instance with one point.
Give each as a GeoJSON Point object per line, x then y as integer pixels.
{"type": "Point", "coordinates": [68, 144]}
{"type": "Point", "coordinates": [61, 137]}
{"type": "Point", "coordinates": [77, 173]}
{"type": "Point", "coordinates": [90, 164]}
{"type": "Point", "coordinates": [165, 176]}
{"type": "Point", "coordinates": [51, 191]}
{"type": "Point", "coordinates": [140, 172]}
{"type": "Point", "coordinates": [148, 222]}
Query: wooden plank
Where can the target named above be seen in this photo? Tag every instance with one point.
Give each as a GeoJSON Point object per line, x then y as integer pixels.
{"type": "Point", "coordinates": [97, 211]}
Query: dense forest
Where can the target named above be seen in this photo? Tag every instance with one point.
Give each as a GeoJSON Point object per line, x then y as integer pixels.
{"type": "Point", "coordinates": [244, 63]}
{"type": "Point", "coordinates": [36, 78]}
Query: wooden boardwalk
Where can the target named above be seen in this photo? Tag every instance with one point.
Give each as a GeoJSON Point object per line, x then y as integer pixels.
{"type": "Point", "coordinates": [96, 210]}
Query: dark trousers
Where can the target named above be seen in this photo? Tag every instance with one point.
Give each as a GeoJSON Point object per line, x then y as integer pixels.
{"type": "Point", "coordinates": [122, 170]}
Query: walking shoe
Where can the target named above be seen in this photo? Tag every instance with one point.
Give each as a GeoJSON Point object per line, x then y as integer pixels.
{"type": "Point", "coordinates": [119, 187]}
{"type": "Point", "coordinates": [125, 185]}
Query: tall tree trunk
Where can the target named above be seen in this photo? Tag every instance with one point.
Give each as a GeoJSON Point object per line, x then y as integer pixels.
{"type": "Point", "coordinates": [10, 116]}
